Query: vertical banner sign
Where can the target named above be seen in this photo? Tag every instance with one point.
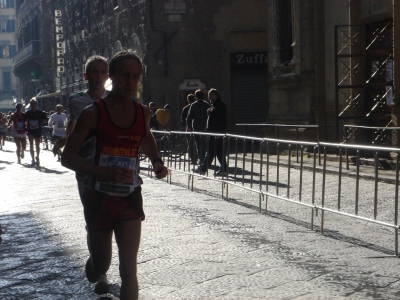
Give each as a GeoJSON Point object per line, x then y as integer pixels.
{"type": "Point", "coordinates": [59, 38]}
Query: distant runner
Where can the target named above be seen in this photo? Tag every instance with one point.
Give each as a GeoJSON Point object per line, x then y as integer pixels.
{"type": "Point", "coordinates": [18, 131]}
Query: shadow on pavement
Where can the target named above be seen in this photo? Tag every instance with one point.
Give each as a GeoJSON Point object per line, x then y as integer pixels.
{"type": "Point", "coordinates": [42, 169]}
{"type": "Point", "coordinates": [8, 151]}
{"type": "Point", "coordinates": [34, 267]}
{"type": "Point", "coordinates": [7, 162]}
{"type": "Point", "coordinates": [327, 233]}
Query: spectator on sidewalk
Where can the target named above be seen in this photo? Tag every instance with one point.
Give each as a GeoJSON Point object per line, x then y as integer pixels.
{"type": "Point", "coordinates": [197, 121]}
{"type": "Point", "coordinates": [114, 206]}
{"type": "Point", "coordinates": [216, 123]}
{"type": "Point", "coordinates": [192, 146]}
{"type": "Point", "coordinates": [153, 120]}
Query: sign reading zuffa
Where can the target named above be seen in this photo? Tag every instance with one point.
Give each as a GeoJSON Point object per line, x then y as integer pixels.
{"type": "Point", "coordinates": [59, 38]}
{"type": "Point", "coordinates": [249, 59]}
{"type": "Point", "coordinates": [175, 7]}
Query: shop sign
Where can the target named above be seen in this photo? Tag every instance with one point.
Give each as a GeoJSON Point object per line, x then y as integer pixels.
{"type": "Point", "coordinates": [192, 84]}
{"type": "Point", "coordinates": [175, 8]}
{"type": "Point", "coordinates": [59, 38]}
{"type": "Point", "coordinates": [249, 59]}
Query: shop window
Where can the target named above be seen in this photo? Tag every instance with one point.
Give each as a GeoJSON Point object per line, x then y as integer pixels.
{"type": "Point", "coordinates": [283, 30]}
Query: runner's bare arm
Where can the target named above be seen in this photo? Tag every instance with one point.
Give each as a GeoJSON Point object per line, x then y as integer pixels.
{"type": "Point", "coordinates": [149, 147]}
{"type": "Point", "coordinates": [70, 159]}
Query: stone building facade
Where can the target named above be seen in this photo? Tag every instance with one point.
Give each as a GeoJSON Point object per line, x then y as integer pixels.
{"type": "Point", "coordinates": [184, 45]}
{"type": "Point", "coordinates": [323, 62]}
{"type": "Point", "coordinates": [8, 82]}
{"type": "Point", "coordinates": [210, 44]}
{"type": "Point", "coordinates": [31, 62]}
{"type": "Point", "coordinates": [332, 63]}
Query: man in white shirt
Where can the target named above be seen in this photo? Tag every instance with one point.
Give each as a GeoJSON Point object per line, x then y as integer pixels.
{"type": "Point", "coordinates": [58, 121]}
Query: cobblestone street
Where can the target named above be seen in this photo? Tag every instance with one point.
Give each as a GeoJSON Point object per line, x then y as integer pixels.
{"type": "Point", "coordinates": [195, 245]}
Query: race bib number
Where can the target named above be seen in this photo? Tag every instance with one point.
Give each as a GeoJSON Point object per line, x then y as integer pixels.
{"type": "Point", "coordinates": [33, 124]}
{"type": "Point", "coordinates": [116, 188]}
{"type": "Point", "coordinates": [20, 126]}
{"type": "Point", "coordinates": [60, 124]}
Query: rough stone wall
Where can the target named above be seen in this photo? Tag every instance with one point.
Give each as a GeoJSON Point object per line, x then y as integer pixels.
{"type": "Point", "coordinates": [200, 46]}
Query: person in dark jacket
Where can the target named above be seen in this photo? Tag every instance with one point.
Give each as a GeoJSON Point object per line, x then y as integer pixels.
{"type": "Point", "coordinates": [197, 121]}
{"type": "Point", "coordinates": [153, 121]}
{"type": "Point", "coordinates": [216, 123]}
{"type": "Point", "coordinates": [192, 147]}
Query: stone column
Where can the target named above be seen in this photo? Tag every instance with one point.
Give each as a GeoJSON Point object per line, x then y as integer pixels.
{"type": "Point", "coordinates": [356, 45]}
{"type": "Point", "coordinates": [276, 59]}
{"type": "Point", "coordinates": [395, 107]}
{"type": "Point", "coordinates": [296, 60]}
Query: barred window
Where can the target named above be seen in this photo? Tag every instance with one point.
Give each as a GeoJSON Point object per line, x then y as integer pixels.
{"type": "Point", "coordinates": [7, 51]}
{"type": "Point", "coordinates": [6, 3]}
{"type": "Point", "coordinates": [6, 80]}
{"type": "Point", "coordinates": [7, 25]}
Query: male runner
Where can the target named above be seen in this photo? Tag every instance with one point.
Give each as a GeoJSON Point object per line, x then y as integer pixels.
{"type": "Point", "coordinates": [58, 121]}
{"type": "Point", "coordinates": [33, 119]}
{"type": "Point", "coordinates": [96, 74]}
{"type": "Point", "coordinates": [120, 125]}
{"type": "Point", "coordinates": [3, 130]}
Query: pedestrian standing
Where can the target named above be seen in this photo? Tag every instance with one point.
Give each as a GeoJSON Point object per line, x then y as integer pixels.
{"type": "Point", "coordinates": [153, 119]}
{"type": "Point", "coordinates": [192, 146]}
{"type": "Point", "coordinates": [120, 125]}
{"type": "Point", "coordinates": [197, 121]}
{"type": "Point", "coordinates": [216, 123]}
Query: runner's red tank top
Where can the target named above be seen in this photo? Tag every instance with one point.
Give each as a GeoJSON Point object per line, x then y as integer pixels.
{"type": "Point", "coordinates": [118, 146]}
{"type": "Point", "coordinates": [18, 123]}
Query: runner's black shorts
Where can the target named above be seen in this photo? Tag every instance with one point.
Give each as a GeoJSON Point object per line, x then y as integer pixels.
{"type": "Point", "coordinates": [103, 212]}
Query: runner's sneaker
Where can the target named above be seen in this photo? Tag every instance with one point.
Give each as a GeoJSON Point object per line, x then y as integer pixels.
{"type": "Point", "coordinates": [33, 163]}
{"type": "Point", "coordinates": [19, 161]}
{"type": "Point", "coordinates": [101, 281]}
{"type": "Point", "coordinates": [102, 286]}
{"type": "Point", "coordinates": [37, 161]}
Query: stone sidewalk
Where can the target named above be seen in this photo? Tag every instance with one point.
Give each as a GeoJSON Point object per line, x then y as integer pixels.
{"type": "Point", "coordinates": [195, 245]}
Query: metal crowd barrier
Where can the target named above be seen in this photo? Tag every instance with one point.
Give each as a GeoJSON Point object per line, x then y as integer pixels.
{"type": "Point", "coordinates": [293, 171]}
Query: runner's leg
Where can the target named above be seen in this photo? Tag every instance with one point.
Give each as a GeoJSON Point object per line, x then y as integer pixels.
{"type": "Point", "coordinates": [127, 235]}
{"type": "Point", "coordinates": [37, 144]}
{"type": "Point", "coordinates": [30, 137]}
{"type": "Point", "coordinates": [100, 248]}
{"type": "Point", "coordinates": [23, 147]}
{"type": "Point", "coordinates": [18, 145]}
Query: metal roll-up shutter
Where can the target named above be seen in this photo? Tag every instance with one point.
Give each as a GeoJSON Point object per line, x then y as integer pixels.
{"type": "Point", "coordinates": [249, 102]}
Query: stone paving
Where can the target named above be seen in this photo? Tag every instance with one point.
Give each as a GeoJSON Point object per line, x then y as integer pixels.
{"type": "Point", "coordinates": [195, 245]}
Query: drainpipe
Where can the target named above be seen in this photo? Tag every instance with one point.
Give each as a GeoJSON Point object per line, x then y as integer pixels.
{"type": "Point", "coordinates": [164, 34]}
